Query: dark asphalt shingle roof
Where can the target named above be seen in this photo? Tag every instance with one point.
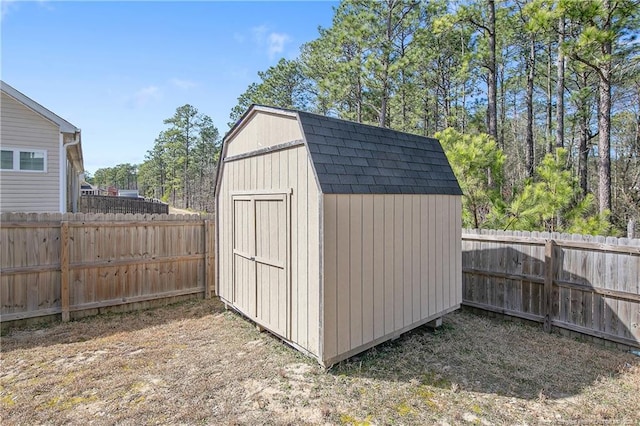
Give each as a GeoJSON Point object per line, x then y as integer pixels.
{"type": "Point", "coordinates": [353, 158]}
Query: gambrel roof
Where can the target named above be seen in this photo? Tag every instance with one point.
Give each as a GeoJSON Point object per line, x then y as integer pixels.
{"type": "Point", "coordinates": [355, 158]}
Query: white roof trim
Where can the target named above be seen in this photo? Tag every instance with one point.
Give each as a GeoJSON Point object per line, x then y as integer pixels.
{"type": "Point", "coordinates": [64, 125]}
{"type": "Point", "coordinates": [275, 110]}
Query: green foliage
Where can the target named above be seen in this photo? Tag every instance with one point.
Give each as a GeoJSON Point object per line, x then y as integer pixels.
{"type": "Point", "coordinates": [599, 25]}
{"type": "Point", "coordinates": [551, 202]}
{"type": "Point", "coordinates": [422, 67]}
{"type": "Point", "coordinates": [88, 177]}
{"type": "Point", "coordinates": [583, 219]}
{"type": "Point", "coordinates": [282, 85]}
{"type": "Point", "coordinates": [477, 163]}
{"type": "Point", "coordinates": [180, 168]}
{"type": "Point", "coordinates": [122, 176]}
{"type": "Point", "coordinates": [362, 60]}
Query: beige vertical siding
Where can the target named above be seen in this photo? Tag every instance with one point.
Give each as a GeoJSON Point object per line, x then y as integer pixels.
{"type": "Point", "coordinates": [277, 171]}
{"type": "Point", "coordinates": [263, 130]}
{"type": "Point", "coordinates": [391, 262]}
{"type": "Point", "coordinates": [376, 218]}
{"type": "Point", "coordinates": [29, 191]}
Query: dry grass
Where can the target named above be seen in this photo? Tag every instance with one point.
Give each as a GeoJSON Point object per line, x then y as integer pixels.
{"type": "Point", "coordinates": [193, 363]}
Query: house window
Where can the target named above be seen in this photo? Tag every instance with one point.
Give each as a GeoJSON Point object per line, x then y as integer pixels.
{"type": "Point", "coordinates": [6, 160]}
{"type": "Point", "coordinates": [32, 160]}
{"type": "Point", "coordinates": [20, 159]}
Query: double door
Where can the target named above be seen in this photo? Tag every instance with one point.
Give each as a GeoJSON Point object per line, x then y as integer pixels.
{"type": "Point", "coordinates": [261, 248]}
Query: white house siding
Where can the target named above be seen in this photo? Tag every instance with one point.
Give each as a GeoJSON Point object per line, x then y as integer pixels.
{"type": "Point", "coordinates": [282, 170]}
{"type": "Point", "coordinates": [29, 191]}
{"type": "Point", "coordinates": [391, 262]}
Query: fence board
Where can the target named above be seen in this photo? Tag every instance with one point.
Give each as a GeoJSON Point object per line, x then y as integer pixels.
{"type": "Point", "coordinates": [566, 260]}
{"type": "Point", "coordinates": [78, 262]}
{"type": "Point", "coordinates": [591, 284]}
{"type": "Point", "coordinates": [535, 270]}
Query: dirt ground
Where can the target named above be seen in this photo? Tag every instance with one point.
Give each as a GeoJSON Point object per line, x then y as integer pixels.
{"type": "Point", "coordinates": [194, 363]}
{"type": "Point", "coordinates": [175, 210]}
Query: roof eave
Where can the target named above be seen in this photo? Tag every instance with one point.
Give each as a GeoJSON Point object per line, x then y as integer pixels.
{"type": "Point", "coordinates": [63, 125]}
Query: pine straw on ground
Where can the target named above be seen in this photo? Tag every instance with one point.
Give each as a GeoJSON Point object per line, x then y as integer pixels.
{"type": "Point", "coordinates": [194, 363]}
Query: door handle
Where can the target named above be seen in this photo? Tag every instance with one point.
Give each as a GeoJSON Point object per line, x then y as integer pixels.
{"type": "Point", "coordinates": [252, 258]}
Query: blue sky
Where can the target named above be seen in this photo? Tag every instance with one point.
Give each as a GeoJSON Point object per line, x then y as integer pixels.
{"type": "Point", "coordinates": [118, 69]}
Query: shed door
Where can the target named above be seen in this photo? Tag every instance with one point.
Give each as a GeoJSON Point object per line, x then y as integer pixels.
{"type": "Point", "coordinates": [261, 258]}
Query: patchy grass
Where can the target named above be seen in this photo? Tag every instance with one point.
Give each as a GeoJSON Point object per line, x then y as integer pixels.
{"type": "Point", "coordinates": [194, 363]}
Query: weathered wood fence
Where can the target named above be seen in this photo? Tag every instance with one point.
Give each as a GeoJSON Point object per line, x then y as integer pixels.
{"type": "Point", "coordinates": [589, 285]}
{"type": "Point", "coordinates": [108, 204]}
{"type": "Point", "coordinates": [75, 263]}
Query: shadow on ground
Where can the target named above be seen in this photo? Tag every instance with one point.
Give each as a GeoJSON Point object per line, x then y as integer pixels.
{"type": "Point", "coordinates": [469, 352]}
{"type": "Point", "coordinates": [480, 354]}
{"type": "Point", "coordinates": [105, 325]}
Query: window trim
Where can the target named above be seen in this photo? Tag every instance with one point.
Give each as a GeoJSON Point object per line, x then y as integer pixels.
{"type": "Point", "coordinates": [16, 159]}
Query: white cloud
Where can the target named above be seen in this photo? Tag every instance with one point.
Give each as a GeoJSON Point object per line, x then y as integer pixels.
{"type": "Point", "coordinates": [45, 4]}
{"type": "Point", "coordinates": [182, 84]}
{"type": "Point", "coordinates": [259, 34]}
{"type": "Point", "coordinates": [144, 97]}
{"type": "Point", "coordinates": [6, 6]}
{"type": "Point", "coordinates": [273, 42]}
{"type": "Point", "coordinates": [276, 45]}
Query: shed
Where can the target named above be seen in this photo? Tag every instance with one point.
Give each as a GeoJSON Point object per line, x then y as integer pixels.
{"type": "Point", "coordinates": [335, 235]}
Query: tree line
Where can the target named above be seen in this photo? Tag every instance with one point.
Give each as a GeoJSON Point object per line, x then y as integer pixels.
{"type": "Point", "coordinates": [537, 102]}
{"type": "Point", "coordinates": [122, 176]}
{"type": "Point", "coordinates": [179, 169]}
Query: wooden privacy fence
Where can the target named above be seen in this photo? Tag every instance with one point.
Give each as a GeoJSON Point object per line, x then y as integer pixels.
{"type": "Point", "coordinates": [109, 204]}
{"type": "Point", "coordinates": [585, 284]}
{"type": "Point", "coordinates": [66, 264]}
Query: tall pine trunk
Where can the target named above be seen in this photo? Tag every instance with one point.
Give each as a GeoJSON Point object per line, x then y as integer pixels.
{"type": "Point", "coordinates": [583, 150]}
{"type": "Point", "coordinates": [560, 88]}
{"type": "Point", "coordinates": [382, 121]}
{"type": "Point", "coordinates": [604, 135]}
{"type": "Point", "coordinates": [604, 123]}
{"type": "Point", "coordinates": [503, 110]}
{"type": "Point", "coordinates": [186, 194]}
{"type": "Point", "coordinates": [385, 95]}
{"type": "Point", "coordinates": [492, 116]}
{"type": "Point", "coordinates": [359, 100]}
{"type": "Point", "coordinates": [583, 154]}
{"type": "Point", "coordinates": [549, 123]}
{"type": "Point", "coordinates": [530, 67]}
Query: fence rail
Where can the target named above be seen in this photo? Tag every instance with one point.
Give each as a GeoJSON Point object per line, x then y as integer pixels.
{"type": "Point", "coordinates": [109, 204]}
{"type": "Point", "coordinates": [72, 263]}
{"type": "Point", "coordinates": [589, 285]}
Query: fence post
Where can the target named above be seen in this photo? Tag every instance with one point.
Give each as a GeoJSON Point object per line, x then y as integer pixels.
{"type": "Point", "coordinates": [64, 270]}
{"type": "Point", "coordinates": [208, 275]}
{"type": "Point", "coordinates": [549, 254]}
